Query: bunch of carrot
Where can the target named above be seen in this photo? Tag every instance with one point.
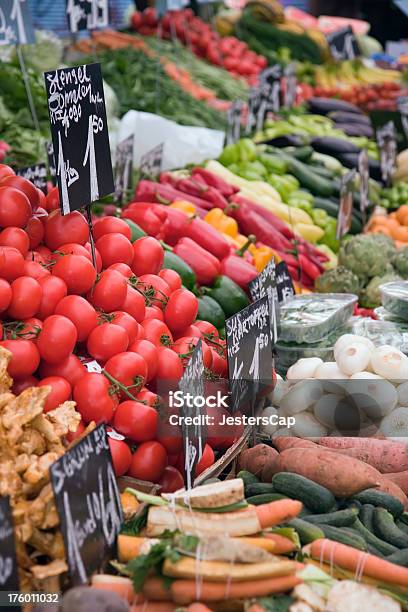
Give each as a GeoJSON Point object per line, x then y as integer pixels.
{"type": "Point", "coordinates": [394, 225]}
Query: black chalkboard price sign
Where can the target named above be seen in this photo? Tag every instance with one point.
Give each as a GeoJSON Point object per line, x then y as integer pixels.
{"type": "Point", "coordinates": [152, 161]}
{"type": "Point", "coordinates": [49, 148]}
{"type": "Point", "coordinates": [16, 26]}
{"type": "Point", "coordinates": [402, 104]}
{"type": "Point", "coordinates": [234, 122]}
{"type": "Point", "coordinates": [76, 106]}
{"type": "Point", "coordinates": [88, 504]}
{"type": "Point", "coordinates": [37, 174]}
{"type": "Point", "coordinates": [265, 284]}
{"type": "Point", "coordinates": [388, 150]}
{"type": "Point", "coordinates": [249, 354]}
{"type": "Point", "coordinates": [8, 563]}
{"type": "Point", "coordinates": [194, 434]}
{"type": "Point", "coordinates": [123, 167]}
{"type": "Point", "coordinates": [346, 203]}
{"type": "Point", "coordinates": [343, 44]}
{"type": "Point", "coordinates": [284, 283]}
{"type": "Point", "coordinates": [87, 14]}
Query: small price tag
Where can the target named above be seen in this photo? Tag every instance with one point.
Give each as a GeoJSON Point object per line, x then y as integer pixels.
{"type": "Point", "coordinates": [194, 436]}
{"type": "Point", "coordinates": [284, 283]}
{"type": "Point", "coordinates": [123, 167]}
{"type": "Point", "coordinates": [388, 150]}
{"type": "Point", "coordinates": [402, 103]}
{"type": "Point", "coordinates": [87, 14]}
{"type": "Point", "coordinates": [88, 503]}
{"type": "Point", "coordinates": [249, 352]}
{"type": "Point", "coordinates": [290, 85]}
{"type": "Point", "coordinates": [37, 174]}
{"type": "Point", "coordinates": [265, 285]}
{"type": "Point", "coordinates": [363, 170]}
{"type": "Point", "coordinates": [346, 204]}
{"type": "Point", "coordinates": [152, 161]}
{"type": "Point", "coordinates": [343, 44]}
{"type": "Point", "coordinates": [49, 148]}
{"type": "Point", "coordinates": [16, 26]}
{"type": "Point", "coordinates": [8, 563]}
{"type": "Point", "coordinates": [93, 366]}
{"type": "Point", "coordinates": [76, 106]}
{"type": "Point", "coordinates": [234, 122]}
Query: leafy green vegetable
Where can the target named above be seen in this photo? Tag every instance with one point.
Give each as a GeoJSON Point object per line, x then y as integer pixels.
{"type": "Point", "coordinates": [276, 603]}
{"type": "Point", "coordinates": [134, 525]}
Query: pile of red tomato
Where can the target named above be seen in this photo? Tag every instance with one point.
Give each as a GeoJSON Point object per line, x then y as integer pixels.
{"type": "Point", "coordinates": [129, 321]}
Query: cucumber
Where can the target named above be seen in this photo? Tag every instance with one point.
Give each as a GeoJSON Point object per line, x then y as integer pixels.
{"type": "Point", "coordinates": [344, 536]}
{"type": "Point", "coordinates": [383, 547]}
{"type": "Point", "coordinates": [341, 518]}
{"type": "Point", "coordinates": [401, 525]}
{"type": "Point", "coordinates": [302, 153]}
{"type": "Point", "coordinates": [265, 498]}
{"type": "Point", "coordinates": [259, 488]}
{"type": "Point", "coordinates": [399, 558]}
{"type": "Point", "coordinates": [378, 498]}
{"type": "Point", "coordinates": [321, 171]}
{"type": "Point", "coordinates": [306, 531]}
{"type": "Point", "coordinates": [314, 496]}
{"type": "Point", "coordinates": [366, 516]}
{"type": "Point", "coordinates": [247, 477]}
{"type": "Point", "coordinates": [309, 179]}
{"type": "Point", "coordinates": [387, 530]}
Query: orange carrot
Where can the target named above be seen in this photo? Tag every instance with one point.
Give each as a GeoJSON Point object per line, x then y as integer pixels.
{"type": "Point", "coordinates": [282, 545]}
{"type": "Point", "coordinates": [154, 588]}
{"type": "Point", "coordinates": [162, 606]}
{"type": "Point", "coordinates": [277, 512]}
{"type": "Point", "coordinates": [187, 591]}
{"type": "Point", "coordinates": [129, 547]}
{"type": "Point", "coordinates": [354, 560]}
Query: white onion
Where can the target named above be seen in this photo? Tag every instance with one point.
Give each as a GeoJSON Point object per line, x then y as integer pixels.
{"type": "Point", "coordinates": [307, 426]}
{"type": "Point", "coordinates": [325, 409]}
{"type": "Point", "coordinates": [346, 339]}
{"type": "Point", "coordinates": [303, 368]}
{"type": "Point", "coordinates": [395, 425]}
{"type": "Point", "coordinates": [300, 397]}
{"type": "Point", "coordinates": [389, 362]}
{"type": "Point", "coordinates": [269, 428]}
{"type": "Point", "coordinates": [329, 372]}
{"type": "Point", "coordinates": [375, 396]}
{"type": "Point", "coordinates": [402, 391]}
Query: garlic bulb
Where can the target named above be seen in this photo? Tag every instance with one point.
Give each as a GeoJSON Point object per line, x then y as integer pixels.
{"type": "Point", "coordinates": [329, 372]}
{"type": "Point", "coordinates": [354, 358]}
{"type": "Point", "coordinates": [374, 396]}
{"type": "Point", "coordinates": [344, 341]}
{"type": "Point", "coordinates": [389, 362]}
{"type": "Point", "coordinates": [303, 368]}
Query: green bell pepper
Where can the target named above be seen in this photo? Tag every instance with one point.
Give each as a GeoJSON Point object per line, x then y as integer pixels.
{"type": "Point", "coordinates": [210, 310]}
{"type": "Point", "coordinates": [273, 163]}
{"type": "Point", "coordinates": [136, 231]}
{"type": "Point", "coordinates": [246, 149]}
{"type": "Point", "coordinates": [230, 155]}
{"type": "Point", "coordinates": [228, 294]}
{"type": "Point", "coordinates": [174, 262]}
{"type": "Point", "coordinates": [320, 217]}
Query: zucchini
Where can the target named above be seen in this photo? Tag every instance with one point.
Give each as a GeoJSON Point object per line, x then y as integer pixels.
{"type": "Point", "coordinates": [302, 153]}
{"type": "Point", "coordinates": [387, 530]}
{"type": "Point", "coordinates": [313, 495]}
{"type": "Point", "coordinates": [383, 547]}
{"type": "Point", "coordinates": [401, 525]}
{"type": "Point", "coordinates": [321, 171]}
{"type": "Point", "coordinates": [366, 516]}
{"type": "Point", "coordinates": [259, 488]}
{"type": "Point", "coordinates": [378, 498]}
{"type": "Point", "coordinates": [399, 558]}
{"type": "Point", "coordinates": [247, 477]}
{"type": "Point", "coordinates": [344, 536]}
{"type": "Point", "coordinates": [341, 518]}
{"type": "Point", "coordinates": [309, 179]}
{"type": "Point", "coordinates": [264, 498]}
{"type": "Point", "coordinates": [306, 531]}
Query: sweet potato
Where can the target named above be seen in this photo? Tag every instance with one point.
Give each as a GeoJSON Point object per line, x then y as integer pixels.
{"type": "Point", "coordinates": [256, 458]}
{"type": "Point", "coordinates": [283, 443]}
{"type": "Point", "coordinates": [385, 455]}
{"type": "Point", "coordinates": [390, 487]}
{"type": "Point", "coordinates": [400, 479]}
{"type": "Point", "coordinates": [343, 476]}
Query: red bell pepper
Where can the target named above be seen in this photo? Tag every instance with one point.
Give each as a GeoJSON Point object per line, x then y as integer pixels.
{"type": "Point", "coordinates": [251, 222]}
{"type": "Point", "coordinates": [145, 215]}
{"type": "Point", "coordinates": [214, 181]}
{"type": "Point", "coordinates": [198, 189]}
{"type": "Point", "coordinates": [176, 226]}
{"type": "Point", "coordinates": [308, 267]}
{"type": "Point", "coordinates": [208, 237]}
{"type": "Point", "coordinates": [238, 270]}
{"type": "Point", "coordinates": [205, 266]}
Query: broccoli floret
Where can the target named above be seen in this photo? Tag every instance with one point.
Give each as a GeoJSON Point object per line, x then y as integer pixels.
{"type": "Point", "coordinates": [370, 297]}
{"type": "Point", "coordinates": [367, 255]}
{"type": "Point", "coordinates": [338, 280]}
{"type": "Point", "coordinates": [400, 262]}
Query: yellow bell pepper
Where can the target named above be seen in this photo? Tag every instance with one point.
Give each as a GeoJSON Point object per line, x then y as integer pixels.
{"type": "Point", "coordinates": [261, 256]}
{"type": "Point", "coordinates": [220, 221]}
{"type": "Point", "coordinates": [184, 206]}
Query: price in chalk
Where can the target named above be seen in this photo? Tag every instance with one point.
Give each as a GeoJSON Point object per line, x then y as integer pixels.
{"type": "Point", "coordinates": [290, 85]}
{"type": "Point", "coordinates": [265, 285]}
{"type": "Point", "coordinates": [152, 161]}
{"type": "Point", "coordinates": [402, 104]}
{"type": "Point", "coordinates": [363, 170]}
{"type": "Point", "coordinates": [388, 150]}
{"type": "Point", "coordinates": [88, 503]}
{"type": "Point", "coordinates": [249, 353]}
{"type": "Point", "coordinates": [343, 44]}
{"type": "Point", "coordinates": [346, 204]}
{"type": "Point", "coordinates": [76, 106]}
{"type": "Point", "coordinates": [8, 563]}
{"type": "Point", "coordinates": [284, 283]}
{"type": "Point", "coordinates": [87, 14]}
{"type": "Point", "coordinates": [123, 167]}
{"type": "Point", "coordinates": [194, 435]}
{"type": "Point", "coordinates": [37, 174]}
{"type": "Point", "coordinates": [16, 26]}
{"type": "Point", "coordinates": [254, 100]}
{"type": "Point", "coordinates": [234, 122]}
